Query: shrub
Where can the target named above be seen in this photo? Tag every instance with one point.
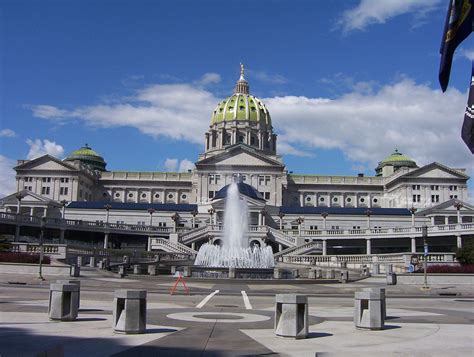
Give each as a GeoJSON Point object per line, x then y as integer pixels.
{"type": "Point", "coordinates": [14, 257]}
{"type": "Point", "coordinates": [465, 255]}
{"type": "Point", "coordinates": [451, 269]}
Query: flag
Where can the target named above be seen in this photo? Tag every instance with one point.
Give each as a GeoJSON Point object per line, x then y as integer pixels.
{"type": "Point", "coordinates": [467, 133]}
{"type": "Point", "coordinates": [457, 27]}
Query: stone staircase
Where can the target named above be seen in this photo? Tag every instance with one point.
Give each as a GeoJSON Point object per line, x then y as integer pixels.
{"type": "Point", "coordinates": [171, 247]}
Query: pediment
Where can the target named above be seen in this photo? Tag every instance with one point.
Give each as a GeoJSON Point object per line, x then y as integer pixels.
{"type": "Point", "coordinates": [240, 156]}
{"type": "Point", "coordinates": [436, 170]}
{"type": "Point", "coordinates": [28, 196]}
{"type": "Point", "coordinates": [46, 163]}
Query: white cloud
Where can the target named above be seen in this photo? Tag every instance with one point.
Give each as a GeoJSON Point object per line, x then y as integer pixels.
{"type": "Point", "coordinates": [469, 54]}
{"type": "Point", "coordinates": [186, 165]}
{"type": "Point", "coordinates": [366, 124]}
{"type": "Point", "coordinates": [7, 133]}
{"type": "Point", "coordinates": [268, 77]}
{"type": "Point", "coordinates": [369, 12]}
{"type": "Point", "coordinates": [171, 165]}
{"type": "Point", "coordinates": [40, 147]}
{"type": "Point", "coordinates": [421, 122]}
{"type": "Point", "coordinates": [7, 176]}
{"type": "Point", "coordinates": [178, 111]}
{"type": "Point", "coordinates": [209, 78]}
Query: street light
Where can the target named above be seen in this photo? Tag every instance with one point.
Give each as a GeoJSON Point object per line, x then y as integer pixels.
{"type": "Point", "coordinates": [281, 215]}
{"type": "Point", "coordinates": [43, 223]}
{"type": "Point", "coordinates": [324, 215]}
{"type": "Point", "coordinates": [194, 214]}
{"type": "Point", "coordinates": [19, 196]}
{"type": "Point", "coordinates": [151, 211]}
{"type": "Point", "coordinates": [458, 206]}
{"type": "Point", "coordinates": [368, 212]}
{"type": "Point", "coordinates": [424, 234]}
{"type": "Point", "coordinates": [107, 209]}
{"type": "Point", "coordinates": [299, 220]}
{"type": "Point", "coordinates": [211, 212]}
{"type": "Point", "coordinates": [413, 211]}
{"type": "Point", "coordinates": [64, 203]}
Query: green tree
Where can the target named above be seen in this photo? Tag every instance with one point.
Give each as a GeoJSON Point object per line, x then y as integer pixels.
{"type": "Point", "coordinates": [465, 255]}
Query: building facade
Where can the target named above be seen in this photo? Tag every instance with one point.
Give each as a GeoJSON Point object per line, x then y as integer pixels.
{"type": "Point", "coordinates": [240, 141]}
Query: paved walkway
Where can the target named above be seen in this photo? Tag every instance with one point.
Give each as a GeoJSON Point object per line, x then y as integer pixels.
{"type": "Point", "coordinates": [224, 318]}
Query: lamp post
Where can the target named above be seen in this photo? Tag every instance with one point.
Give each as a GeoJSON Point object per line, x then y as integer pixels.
{"type": "Point", "coordinates": [458, 207]}
{"type": "Point", "coordinates": [424, 234]}
{"type": "Point", "coordinates": [63, 212]}
{"type": "Point", "coordinates": [281, 215]}
{"type": "Point", "coordinates": [43, 223]}
{"type": "Point", "coordinates": [151, 211]}
{"type": "Point", "coordinates": [19, 196]}
{"type": "Point", "coordinates": [299, 220]}
{"type": "Point", "coordinates": [324, 215]}
{"type": "Point", "coordinates": [211, 212]}
{"type": "Point", "coordinates": [368, 213]}
{"type": "Point", "coordinates": [194, 214]}
{"type": "Point", "coordinates": [175, 217]}
{"type": "Point", "coordinates": [107, 209]}
{"type": "Point", "coordinates": [413, 211]}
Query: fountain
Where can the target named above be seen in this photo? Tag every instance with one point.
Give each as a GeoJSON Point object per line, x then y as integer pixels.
{"type": "Point", "coordinates": [235, 251]}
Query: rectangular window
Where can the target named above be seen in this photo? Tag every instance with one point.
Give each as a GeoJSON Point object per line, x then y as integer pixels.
{"type": "Point", "coordinates": [415, 187]}
{"type": "Point", "coordinates": [355, 227]}
{"type": "Point", "coordinates": [80, 193]}
{"type": "Point", "coordinates": [435, 198]}
{"type": "Point", "coordinates": [264, 180]}
{"type": "Point", "coordinates": [217, 179]}
{"type": "Point", "coordinates": [45, 190]}
{"type": "Point", "coordinates": [453, 188]}
{"type": "Point", "coordinates": [161, 224]}
{"type": "Point", "coordinates": [211, 194]}
{"type": "Point", "coordinates": [416, 198]}
{"type": "Point", "coordinates": [434, 187]}
{"type": "Point", "coordinates": [335, 227]}
{"type": "Point", "coordinates": [313, 228]}
{"type": "Point", "coordinates": [453, 196]}
{"type": "Point", "coordinates": [267, 195]}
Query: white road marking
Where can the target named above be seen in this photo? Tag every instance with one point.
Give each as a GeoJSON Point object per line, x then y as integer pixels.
{"type": "Point", "coordinates": [248, 306]}
{"type": "Point", "coordinates": [206, 299]}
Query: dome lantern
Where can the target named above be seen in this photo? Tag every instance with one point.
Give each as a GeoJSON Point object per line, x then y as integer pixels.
{"type": "Point", "coordinates": [393, 163]}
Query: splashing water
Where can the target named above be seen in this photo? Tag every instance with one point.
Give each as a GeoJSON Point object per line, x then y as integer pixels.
{"type": "Point", "coordinates": [233, 252]}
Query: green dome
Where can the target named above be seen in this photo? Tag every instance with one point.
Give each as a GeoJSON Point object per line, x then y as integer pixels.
{"type": "Point", "coordinates": [241, 107]}
{"type": "Point", "coordinates": [89, 157]}
{"type": "Point", "coordinates": [397, 160]}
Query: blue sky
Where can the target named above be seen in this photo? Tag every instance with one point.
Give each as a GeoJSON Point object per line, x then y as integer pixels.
{"type": "Point", "coordinates": [346, 82]}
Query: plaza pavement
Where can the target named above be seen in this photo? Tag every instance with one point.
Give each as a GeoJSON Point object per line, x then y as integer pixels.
{"type": "Point", "coordinates": [235, 321]}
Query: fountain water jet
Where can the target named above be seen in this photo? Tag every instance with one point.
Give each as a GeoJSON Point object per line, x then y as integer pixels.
{"type": "Point", "coordinates": [234, 251]}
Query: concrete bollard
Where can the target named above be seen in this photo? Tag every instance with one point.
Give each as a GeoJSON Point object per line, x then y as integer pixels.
{"type": "Point", "coordinates": [232, 273]}
{"type": "Point", "coordinates": [122, 270]}
{"type": "Point", "coordinates": [376, 269]}
{"type": "Point", "coordinates": [129, 315]}
{"type": "Point", "coordinates": [276, 273]}
{"type": "Point", "coordinates": [344, 276]}
{"type": "Point", "coordinates": [391, 279]}
{"type": "Point", "coordinates": [368, 310]}
{"type": "Point", "coordinates": [153, 269]}
{"type": "Point", "coordinates": [381, 291]}
{"type": "Point", "coordinates": [63, 302]}
{"type": "Point", "coordinates": [75, 282]}
{"type": "Point", "coordinates": [75, 271]}
{"type": "Point", "coordinates": [92, 262]}
{"type": "Point", "coordinates": [311, 274]}
{"type": "Point", "coordinates": [79, 261]}
{"type": "Point", "coordinates": [101, 264]}
{"type": "Point", "coordinates": [330, 274]}
{"type": "Point", "coordinates": [137, 269]}
{"type": "Point", "coordinates": [187, 271]}
{"type": "Point", "coordinates": [291, 315]}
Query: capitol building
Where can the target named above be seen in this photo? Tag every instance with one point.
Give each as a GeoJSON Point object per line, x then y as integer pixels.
{"type": "Point", "coordinates": [286, 209]}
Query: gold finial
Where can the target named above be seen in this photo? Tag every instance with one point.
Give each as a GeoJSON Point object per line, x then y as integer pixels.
{"type": "Point", "coordinates": [242, 71]}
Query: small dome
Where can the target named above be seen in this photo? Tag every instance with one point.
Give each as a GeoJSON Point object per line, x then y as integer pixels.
{"type": "Point", "coordinates": [397, 160]}
{"type": "Point", "coordinates": [89, 157]}
{"type": "Point", "coordinates": [244, 189]}
{"type": "Point", "coordinates": [241, 107]}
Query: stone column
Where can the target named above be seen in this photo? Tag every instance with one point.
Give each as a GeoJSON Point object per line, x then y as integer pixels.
{"type": "Point", "coordinates": [193, 245]}
{"type": "Point", "coordinates": [413, 220]}
{"type": "Point", "coordinates": [446, 220]}
{"type": "Point", "coordinates": [280, 247]}
{"type": "Point", "coordinates": [459, 241]}
{"type": "Point", "coordinates": [432, 220]}
{"type": "Point", "coordinates": [369, 247]}
{"type": "Point", "coordinates": [61, 236]}
{"type": "Point", "coordinates": [413, 244]}
{"type": "Point", "coordinates": [301, 199]}
{"type": "Point", "coordinates": [148, 248]}
{"type": "Point", "coordinates": [325, 247]}
{"type": "Point", "coordinates": [106, 240]}
{"type": "Point", "coordinates": [259, 218]}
